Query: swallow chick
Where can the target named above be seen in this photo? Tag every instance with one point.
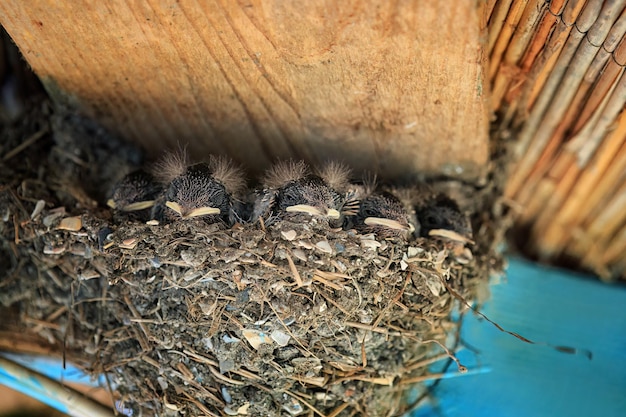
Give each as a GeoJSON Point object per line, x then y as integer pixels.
{"type": "Point", "coordinates": [135, 195]}
{"type": "Point", "coordinates": [384, 215]}
{"type": "Point", "coordinates": [290, 187]}
{"type": "Point", "coordinates": [440, 217]}
{"type": "Point", "coordinates": [204, 190]}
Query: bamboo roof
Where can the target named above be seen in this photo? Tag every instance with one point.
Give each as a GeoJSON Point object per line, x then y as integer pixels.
{"type": "Point", "coordinates": [557, 76]}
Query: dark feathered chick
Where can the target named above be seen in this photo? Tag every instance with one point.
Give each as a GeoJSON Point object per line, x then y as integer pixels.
{"type": "Point", "coordinates": [442, 213]}
{"type": "Point", "coordinates": [203, 190]}
{"type": "Point", "coordinates": [370, 210]}
{"type": "Point", "coordinates": [439, 216]}
{"type": "Point", "coordinates": [383, 214]}
{"type": "Point", "coordinates": [290, 187]}
{"type": "Point", "coordinates": [135, 195]}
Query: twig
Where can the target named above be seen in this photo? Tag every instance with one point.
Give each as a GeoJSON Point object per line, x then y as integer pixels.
{"type": "Point", "coordinates": [28, 142]}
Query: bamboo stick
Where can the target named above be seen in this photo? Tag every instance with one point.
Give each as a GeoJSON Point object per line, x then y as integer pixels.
{"type": "Point", "coordinates": [558, 137]}
{"type": "Point", "coordinates": [543, 190]}
{"type": "Point", "coordinates": [602, 159]}
{"type": "Point", "coordinates": [616, 248]}
{"type": "Point", "coordinates": [581, 99]}
{"type": "Point", "coordinates": [590, 13]}
{"type": "Point", "coordinates": [586, 143]}
{"type": "Point", "coordinates": [609, 16]}
{"type": "Point", "coordinates": [607, 224]}
{"type": "Point", "coordinates": [512, 20]}
{"type": "Point", "coordinates": [540, 37]}
{"type": "Point", "coordinates": [616, 34]}
{"type": "Point", "coordinates": [553, 49]}
{"type": "Point", "coordinates": [563, 174]}
{"type": "Point", "coordinates": [619, 55]}
{"type": "Point", "coordinates": [542, 119]}
{"type": "Point", "coordinates": [548, 230]}
{"type": "Point", "coordinates": [607, 78]}
{"type": "Point", "coordinates": [620, 268]}
{"type": "Point", "coordinates": [538, 171]}
{"type": "Point", "coordinates": [508, 70]}
{"type": "Point", "coordinates": [592, 205]}
{"type": "Point", "coordinates": [498, 17]}
{"type": "Point", "coordinates": [537, 44]}
{"type": "Point", "coordinates": [487, 11]}
{"type": "Point", "coordinates": [612, 215]}
{"type": "Point", "coordinates": [556, 7]}
{"type": "Point", "coordinates": [574, 158]}
{"type": "Point", "coordinates": [556, 99]}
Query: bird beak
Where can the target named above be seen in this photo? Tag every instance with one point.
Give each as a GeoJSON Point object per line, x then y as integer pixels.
{"type": "Point", "coordinates": [140, 205]}
{"type": "Point", "coordinates": [304, 208]}
{"type": "Point", "coordinates": [313, 211]}
{"type": "Point", "coordinates": [452, 235]}
{"type": "Point", "coordinates": [200, 211]}
{"type": "Point", "coordinates": [174, 206]}
{"type": "Point", "coordinates": [111, 203]}
{"type": "Point", "coordinates": [391, 224]}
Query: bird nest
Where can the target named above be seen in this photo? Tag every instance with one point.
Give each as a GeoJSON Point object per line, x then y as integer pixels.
{"type": "Point", "coordinates": [293, 317]}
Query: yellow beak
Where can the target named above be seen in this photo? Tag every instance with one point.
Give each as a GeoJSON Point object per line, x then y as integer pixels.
{"type": "Point", "coordinates": [391, 224]}
{"type": "Point", "coordinates": [200, 211]}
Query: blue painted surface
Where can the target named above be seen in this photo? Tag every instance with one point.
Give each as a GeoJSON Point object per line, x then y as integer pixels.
{"type": "Point", "coordinates": [552, 306]}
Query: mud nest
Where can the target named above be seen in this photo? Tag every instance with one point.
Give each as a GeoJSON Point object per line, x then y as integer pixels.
{"type": "Point", "coordinates": [292, 318]}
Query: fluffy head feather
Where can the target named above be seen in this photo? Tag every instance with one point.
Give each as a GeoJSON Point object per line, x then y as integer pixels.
{"type": "Point", "coordinates": [225, 171]}
{"type": "Point", "coordinates": [170, 166]}
{"type": "Point", "coordinates": [336, 175]}
{"type": "Point", "coordinates": [285, 172]}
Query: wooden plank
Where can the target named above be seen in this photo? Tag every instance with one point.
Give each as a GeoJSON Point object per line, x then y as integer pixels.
{"type": "Point", "coordinates": [396, 87]}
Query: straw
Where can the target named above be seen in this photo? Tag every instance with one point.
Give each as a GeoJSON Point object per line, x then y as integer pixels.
{"type": "Point", "coordinates": [553, 49]}
{"type": "Point", "coordinates": [560, 90]}
{"type": "Point", "coordinates": [496, 22]}
{"type": "Point", "coordinates": [557, 75]}
{"type": "Point", "coordinates": [616, 248]}
{"type": "Point", "coordinates": [487, 11]}
{"type": "Point", "coordinates": [573, 209]}
{"type": "Point", "coordinates": [508, 70]}
{"type": "Point", "coordinates": [567, 167]}
{"type": "Point", "coordinates": [603, 79]}
{"type": "Point", "coordinates": [593, 204]}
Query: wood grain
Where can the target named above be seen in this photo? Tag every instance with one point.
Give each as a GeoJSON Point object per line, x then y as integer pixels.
{"type": "Point", "coordinates": [395, 87]}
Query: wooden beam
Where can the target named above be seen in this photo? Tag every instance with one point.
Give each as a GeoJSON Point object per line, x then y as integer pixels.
{"type": "Point", "coordinates": [395, 87]}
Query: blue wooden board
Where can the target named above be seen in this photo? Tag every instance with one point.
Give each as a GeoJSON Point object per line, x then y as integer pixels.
{"type": "Point", "coordinates": [552, 306]}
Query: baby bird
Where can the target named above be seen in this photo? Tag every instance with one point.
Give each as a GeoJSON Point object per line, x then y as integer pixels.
{"type": "Point", "coordinates": [440, 212]}
{"type": "Point", "coordinates": [135, 195]}
{"type": "Point", "coordinates": [290, 187]}
{"type": "Point", "coordinates": [205, 190]}
{"type": "Point", "coordinates": [440, 217]}
{"type": "Point", "coordinates": [378, 212]}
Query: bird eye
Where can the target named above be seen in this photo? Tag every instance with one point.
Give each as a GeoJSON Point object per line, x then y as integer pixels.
{"type": "Point", "coordinates": [431, 219]}
{"type": "Point", "coordinates": [289, 200]}
{"type": "Point", "coordinates": [368, 211]}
